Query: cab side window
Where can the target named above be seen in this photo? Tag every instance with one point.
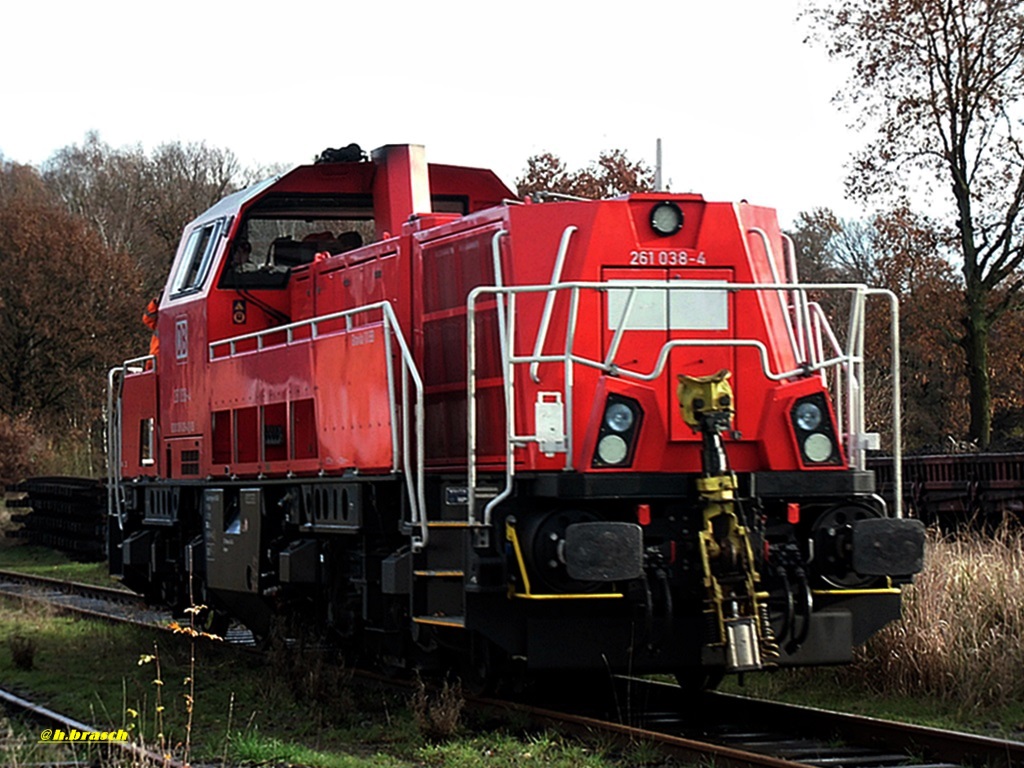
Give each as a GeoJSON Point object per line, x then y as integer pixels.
{"type": "Point", "coordinates": [195, 264]}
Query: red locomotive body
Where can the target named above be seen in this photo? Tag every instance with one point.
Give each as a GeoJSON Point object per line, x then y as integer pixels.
{"type": "Point", "coordinates": [428, 417]}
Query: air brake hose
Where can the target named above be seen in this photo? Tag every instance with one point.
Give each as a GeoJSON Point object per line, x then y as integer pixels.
{"type": "Point", "coordinates": [669, 606]}
{"type": "Point", "coordinates": [808, 607]}
{"type": "Point", "coordinates": [790, 613]}
{"type": "Point", "coordinates": [648, 611]}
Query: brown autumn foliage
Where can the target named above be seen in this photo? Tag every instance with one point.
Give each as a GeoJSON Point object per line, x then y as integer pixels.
{"type": "Point", "coordinates": [900, 251]}
{"type": "Point", "coordinates": [22, 450]}
{"type": "Point", "coordinates": [910, 264]}
{"type": "Point", "coordinates": [69, 306]}
{"type": "Point", "coordinates": [85, 241]}
{"type": "Point", "coordinates": [612, 174]}
{"type": "Point", "coordinates": [940, 83]}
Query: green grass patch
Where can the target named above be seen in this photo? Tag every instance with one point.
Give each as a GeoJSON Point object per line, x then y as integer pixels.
{"type": "Point", "coordinates": [498, 750]}
{"type": "Point", "coordinates": [842, 689]}
{"type": "Point", "coordinates": [259, 749]}
{"type": "Point", "coordinates": [281, 709]}
{"type": "Point", "coordinates": [42, 561]}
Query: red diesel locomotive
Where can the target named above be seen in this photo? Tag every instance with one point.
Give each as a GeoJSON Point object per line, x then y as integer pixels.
{"type": "Point", "coordinates": [449, 426]}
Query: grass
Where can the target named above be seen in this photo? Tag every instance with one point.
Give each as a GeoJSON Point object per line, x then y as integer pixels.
{"type": "Point", "coordinates": [41, 561]}
{"type": "Point", "coordinates": [954, 660]}
{"type": "Point", "coordinates": [248, 709]}
{"type": "Point", "coordinates": [499, 750]}
{"type": "Point", "coordinates": [21, 747]}
{"type": "Point", "coordinates": [254, 747]}
{"type": "Point", "coordinates": [961, 635]}
{"type": "Point", "coordinates": [296, 708]}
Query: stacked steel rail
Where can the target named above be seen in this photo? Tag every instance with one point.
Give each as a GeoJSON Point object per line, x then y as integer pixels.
{"type": "Point", "coordinates": [64, 513]}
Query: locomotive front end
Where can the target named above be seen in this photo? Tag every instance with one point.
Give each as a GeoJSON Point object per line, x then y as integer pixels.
{"type": "Point", "coordinates": [687, 442]}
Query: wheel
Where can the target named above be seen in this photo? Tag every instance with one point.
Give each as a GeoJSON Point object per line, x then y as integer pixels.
{"type": "Point", "coordinates": [485, 669]}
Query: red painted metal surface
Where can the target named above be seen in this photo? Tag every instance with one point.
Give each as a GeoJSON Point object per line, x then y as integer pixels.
{"type": "Point", "coordinates": [294, 403]}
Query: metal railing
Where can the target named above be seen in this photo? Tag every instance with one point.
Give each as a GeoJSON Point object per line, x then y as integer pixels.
{"type": "Point", "coordinates": [403, 457]}
{"type": "Point", "coordinates": [405, 398]}
{"type": "Point", "coordinates": [115, 380]}
{"type": "Point", "coordinates": [815, 348]}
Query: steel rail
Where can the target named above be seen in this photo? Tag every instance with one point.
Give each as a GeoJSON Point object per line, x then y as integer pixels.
{"type": "Point", "coordinates": [935, 743]}
{"type": "Point", "coordinates": [39, 712]}
{"type": "Point", "coordinates": [806, 722]}
{"type": "Point", "coordinates": [45, 587]}
{"type": "Point", "coordinates": [150, 618]}
{"type": "Point", "coordinates": [585, 727]}
{"type": "Point", "coordinates": [680, 747]}
{"type": "Point", "coordinates": [69, 587]}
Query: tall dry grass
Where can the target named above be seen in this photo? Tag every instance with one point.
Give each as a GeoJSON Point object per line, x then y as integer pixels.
{"type": "Point", "coordinates": [962, 632]}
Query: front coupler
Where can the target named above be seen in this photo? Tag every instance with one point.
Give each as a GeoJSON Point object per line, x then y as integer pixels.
{"type": "Point", "coordinates": [736, 619]}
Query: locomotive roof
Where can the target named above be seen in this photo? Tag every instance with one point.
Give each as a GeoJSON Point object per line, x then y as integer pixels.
{"type": "Point", "coordinates": [481, 185]}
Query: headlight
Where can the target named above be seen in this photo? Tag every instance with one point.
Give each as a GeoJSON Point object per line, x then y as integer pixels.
{"type": "Point", "coordinates": [666, 219]}
{"type": "Point", "coordinates": [818, 448]}
{"type": "Point", "coordinates": [619, 417]}
{"type": "Point", "coordinates": [618, 432]}
{"type": "Point", "coordinates": [815, 431]}
{"type": "Point", "coordinates": [807, 416]}
{"type": "Point", "coordinates": [612, 449]}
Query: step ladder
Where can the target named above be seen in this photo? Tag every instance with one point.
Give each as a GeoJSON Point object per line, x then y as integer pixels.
{"type": "Point", "coordinates": [439, 575]}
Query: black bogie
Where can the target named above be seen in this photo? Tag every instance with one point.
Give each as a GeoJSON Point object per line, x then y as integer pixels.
{"type": "Point", "coordinates": [336, 554]}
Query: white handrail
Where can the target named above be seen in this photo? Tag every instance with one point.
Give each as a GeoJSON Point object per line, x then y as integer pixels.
{"type": "Point", "coordinates": [800, 304]}
{"type": "Point", "coordinates": [798, 348]}
{"type": "Point", "coordinates": [849, 360]}
{"type": "Point", "coordinates": [897, 394]}
{"type": "Point", "coordinates": [115, 378]}
{"type": "Point", "coordinates": [413, 474]}
{"type": "Point", "coordinates": [549, 303]}
{"type": "Point", "coordinates": [413, 471]}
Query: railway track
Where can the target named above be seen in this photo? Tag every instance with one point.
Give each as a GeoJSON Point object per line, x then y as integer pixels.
{"type": "Point", "coordinates": [725, 729]}
{"type": "Point", "coordinates": [98, 602]}
{"type": "Point", "coordinates": [751, 732]}
{"type": "Point", "coordinates": [56, 723]}
{"type": "Point", "coordinates": [105, 603]}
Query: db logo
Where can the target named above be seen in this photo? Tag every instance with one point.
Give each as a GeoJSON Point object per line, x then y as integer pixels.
{"type": "Point", "coordinates": [238, 312]}
{"type": "Point", "coordinates": [181, 339]}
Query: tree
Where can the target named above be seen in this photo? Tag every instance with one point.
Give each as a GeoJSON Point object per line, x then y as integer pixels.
{"type": "Point", "coordinates": [941, 80]}
{"type": "Point", "coordinates": [612, 174]}
{"type": "Point", "coordinates": [140, 202]}
{"type": "Point", "coordinates": [898, 250]}
{"type": "Point", "coordinates": [70, 306]}
{"type": "Point", "coordinates": [833, 249]}
{"type": "Point", "coordinates": [188, 179]}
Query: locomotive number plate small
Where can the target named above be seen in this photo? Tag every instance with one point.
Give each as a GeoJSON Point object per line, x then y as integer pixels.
{"type": "Point", "coordinates": [666, 259]}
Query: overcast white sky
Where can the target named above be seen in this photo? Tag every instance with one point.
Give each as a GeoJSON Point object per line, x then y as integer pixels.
{"type": "Point", "coordinates": [742, 105]}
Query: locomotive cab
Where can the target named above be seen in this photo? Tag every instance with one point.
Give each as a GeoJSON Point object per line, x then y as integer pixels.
{"type": "Point", "coordinates": [442, 424]}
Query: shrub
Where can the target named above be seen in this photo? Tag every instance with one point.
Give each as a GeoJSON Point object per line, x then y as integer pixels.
{"type": "Point", "coordinates": [438, 716]}
{"type": "Point", "coordinates": [23, 651]}
{"type": "Point", "coordinates": [963, 619]}
{"type": "Point", "coordinates": [21, 448]}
